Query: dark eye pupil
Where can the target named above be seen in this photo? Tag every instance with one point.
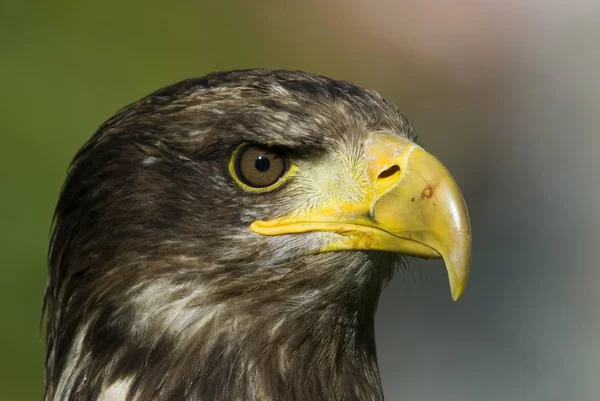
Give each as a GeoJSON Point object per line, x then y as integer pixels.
{"type": "Point", "coordinates": [262, 164]}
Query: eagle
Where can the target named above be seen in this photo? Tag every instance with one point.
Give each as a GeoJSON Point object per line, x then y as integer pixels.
{"type": "Point", "coordinates": [226, 238]}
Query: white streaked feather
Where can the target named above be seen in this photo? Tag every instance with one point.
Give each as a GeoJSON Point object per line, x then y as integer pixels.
{"type": "Point", "coordinates": [117, 391]}
{"type": "Point", "coordinates": [65, 383]}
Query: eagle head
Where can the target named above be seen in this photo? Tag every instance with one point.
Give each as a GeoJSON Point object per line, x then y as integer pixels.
{"type": "Point", "coordinates": [227, 238]}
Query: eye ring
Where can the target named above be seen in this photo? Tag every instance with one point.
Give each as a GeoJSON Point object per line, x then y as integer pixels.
{"type": "Point", "coordinates": [259, 168]}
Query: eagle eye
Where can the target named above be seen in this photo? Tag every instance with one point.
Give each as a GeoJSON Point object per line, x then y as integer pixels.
{"type": "Point", "coordinates": [257, 167]}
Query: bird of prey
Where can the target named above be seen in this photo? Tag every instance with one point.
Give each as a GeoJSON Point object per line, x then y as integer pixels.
{"type": "Point", "coordinates": [226, 238]}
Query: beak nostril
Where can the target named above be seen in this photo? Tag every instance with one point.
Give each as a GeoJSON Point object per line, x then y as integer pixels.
{"type": "Point", "coordinates": [390, 171]}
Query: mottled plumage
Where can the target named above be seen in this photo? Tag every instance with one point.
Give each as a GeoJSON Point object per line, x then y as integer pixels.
{"type": "Point", "coordinates": [158, 290]}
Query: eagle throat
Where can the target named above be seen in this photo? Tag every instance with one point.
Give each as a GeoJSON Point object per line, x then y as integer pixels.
{"type": "Point", "coordinates": [182, 341]}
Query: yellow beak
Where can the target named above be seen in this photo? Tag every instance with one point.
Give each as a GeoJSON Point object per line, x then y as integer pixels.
{"type": "Point", "coordinates": [413, 206]}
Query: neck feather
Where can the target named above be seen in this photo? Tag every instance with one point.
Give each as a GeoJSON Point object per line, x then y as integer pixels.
{"type": "Point", "coordinates": [241, 358]}
{"type": "Point", "coordinates": [182, 340]}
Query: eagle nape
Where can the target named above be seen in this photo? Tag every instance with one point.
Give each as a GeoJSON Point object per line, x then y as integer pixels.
{"type": "Point", "coordinates": [228, 237]}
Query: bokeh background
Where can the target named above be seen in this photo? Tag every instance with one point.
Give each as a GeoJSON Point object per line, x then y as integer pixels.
{"type": "Point", "coordinates": [506, 94]}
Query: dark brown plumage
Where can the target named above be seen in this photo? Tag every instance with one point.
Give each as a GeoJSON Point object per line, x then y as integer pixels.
{"type": "Point", "coordinates": [158, 289]}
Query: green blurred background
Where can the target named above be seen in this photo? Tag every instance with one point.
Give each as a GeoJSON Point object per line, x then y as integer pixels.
{"type": "Point", "coordinates": [505, 93]}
